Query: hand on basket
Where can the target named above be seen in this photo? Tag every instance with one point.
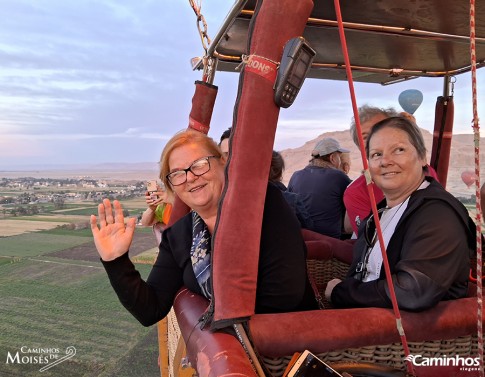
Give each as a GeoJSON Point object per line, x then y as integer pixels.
{"type": "Point", "coordinates": [112, 238]}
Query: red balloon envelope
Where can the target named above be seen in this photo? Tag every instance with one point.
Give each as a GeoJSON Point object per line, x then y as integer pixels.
{"type": "Point", "coordinates": [468, 177]}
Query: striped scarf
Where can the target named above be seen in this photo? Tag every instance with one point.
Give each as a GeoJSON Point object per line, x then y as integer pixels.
{"type": "Point", "coordinates": [200, 254]}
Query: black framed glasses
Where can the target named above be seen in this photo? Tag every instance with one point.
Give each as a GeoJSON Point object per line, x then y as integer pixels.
{"type": "Point", "coordinates": [370, 236]}
{"type": "Point", "coordinates": [370, 233]}
{"type": "Point", "coordinates": [198, 167]}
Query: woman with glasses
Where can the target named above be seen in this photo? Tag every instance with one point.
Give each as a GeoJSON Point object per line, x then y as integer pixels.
{"type": "Point", "coordinates": [192, 167]}
{"type": "Point", "coordinates": [428, 234]}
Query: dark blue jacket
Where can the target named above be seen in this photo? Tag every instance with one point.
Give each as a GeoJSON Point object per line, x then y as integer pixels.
{"type": "Point", "coordinates": [322, 190]}
{"type": "Point", "coordinates": [296, 204]}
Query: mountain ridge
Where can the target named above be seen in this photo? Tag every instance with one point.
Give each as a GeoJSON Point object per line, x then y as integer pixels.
{"type": "Point", "coordinates": [462, 159]}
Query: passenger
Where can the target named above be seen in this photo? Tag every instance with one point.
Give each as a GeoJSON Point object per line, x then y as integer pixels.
{"type": "Point", "coordinates": [276, 171]}
{"type": "Point", "coordinates": [321, 186]}
{"type": "Point", "coordinates": [427, 232]}
{"type": "Point", "coordinates": [293, 199]}
{"type": "Point", "coordinates": [356, 196]}
{"type": "Point", "coordinates": [192, 166]}
{"type": "Point", "coordinates": [345, 162]}
{"type": "Point", "coordinates": [224, 142]}
{"type": "Point", "coordinates": [158, 212]}
{"type": "Point", "coordinates": [408, 116]}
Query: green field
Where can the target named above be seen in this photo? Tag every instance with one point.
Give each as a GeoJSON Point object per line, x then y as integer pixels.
{"type": "Point", "coordinates": [94, 211]}
{"type": "Point", "coordinates": [70, 232]}
{"type": "Point", "coordinates": [38, 243]}
{"type": "Point", "coordinates": [56, 306]}
{"type": "Point", "coordinates": [54, 302]}
{"type": "Point", "coordinates": [80, 211]}
{"type": "Point", "coordinates": [44, 217]}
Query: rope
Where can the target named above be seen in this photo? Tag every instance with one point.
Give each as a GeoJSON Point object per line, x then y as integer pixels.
{"type": "Point", "coordinates": [195, 6]}
{"type": "Point", "coordinates": [392, 293]}
{"type": "Point", "coordinates": [478, 219]}
{"type": "Point", "coordinates": [208, 62]}
{"type": "Point", "coordinates": [248, 348]}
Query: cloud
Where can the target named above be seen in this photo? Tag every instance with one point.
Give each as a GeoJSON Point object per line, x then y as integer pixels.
{"type": "Point", "coordinates": [92, 80]}
{"type": "Point", "coordinates": [128, 134]}
{"type": "Point", "coordinates": [13, 149]}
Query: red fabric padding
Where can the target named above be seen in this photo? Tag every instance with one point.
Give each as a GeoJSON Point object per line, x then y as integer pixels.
{"type": "Point", "coordinates": [440, 156]}
{"type": "Point", "coordinates": [323, 247]}
{"type": "Point", "coordinates": [202, 106]}
{"type": "Point", "coordinates": [237, 234]}
{"type": "Point", "coordinates": [276, 335]}
{"type": "Point", "coordinates": [210, 353]}
{"type": "Point", "coordinates": [179, 210]}
{"type": "Point", "coordinates": [199, 120]}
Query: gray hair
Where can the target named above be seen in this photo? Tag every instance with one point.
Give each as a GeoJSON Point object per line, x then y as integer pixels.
{"type": "Point", "coordinates": [367, 112]}
{"type": "Point", "coordinates": [404, 124]}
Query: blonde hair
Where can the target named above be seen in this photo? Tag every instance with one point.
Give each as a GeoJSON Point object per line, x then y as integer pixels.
{"type": "Point", "coordinates": [183, 138]}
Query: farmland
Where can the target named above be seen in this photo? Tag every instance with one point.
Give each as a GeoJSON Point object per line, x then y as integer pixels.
{"type": "Point", "coordinates": [55, 294]}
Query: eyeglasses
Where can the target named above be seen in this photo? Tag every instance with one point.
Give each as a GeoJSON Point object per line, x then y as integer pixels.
{"type": "Point", "coordinates": [370, 236]}
{"type": "Point", "coordinates": [370, 233]}
{"type": "Point", "coordinates": [198, 167]}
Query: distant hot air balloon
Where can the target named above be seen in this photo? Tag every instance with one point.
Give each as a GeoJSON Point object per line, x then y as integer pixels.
{"type": "Point", "coordinates": [468, 177]}
{"type": "Point", "coordinates": [410, 100]}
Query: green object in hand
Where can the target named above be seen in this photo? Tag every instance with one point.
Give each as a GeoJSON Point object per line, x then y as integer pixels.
{"type": "Point", "coordinates": [159, 212]}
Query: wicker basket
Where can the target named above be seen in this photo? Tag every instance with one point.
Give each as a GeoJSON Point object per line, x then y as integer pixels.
{"type": "Point", "coordinates": [391, 355]}
{"type": "Point", "coordinates": [322, 271]}
{"type": "Point", "coordinates": [176, 349]}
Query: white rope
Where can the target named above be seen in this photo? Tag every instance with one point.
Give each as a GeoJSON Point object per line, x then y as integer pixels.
{"type": "Point", "coordinates": [478, 219]}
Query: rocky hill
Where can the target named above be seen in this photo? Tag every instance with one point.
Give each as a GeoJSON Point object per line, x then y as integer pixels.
{"type": "Point", "coordinates": [462, 158]}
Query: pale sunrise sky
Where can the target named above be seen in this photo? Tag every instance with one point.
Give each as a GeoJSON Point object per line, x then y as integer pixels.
{"type": "Point", "coordinates": [98, 81]}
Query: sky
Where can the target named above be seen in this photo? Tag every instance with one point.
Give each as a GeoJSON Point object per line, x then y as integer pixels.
{"type": "Point", "coordinates": [99, 81]}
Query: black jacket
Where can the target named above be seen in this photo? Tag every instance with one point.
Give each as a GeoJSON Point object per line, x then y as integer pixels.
{"type": "Point", "coordinates": [296, 204]}
{"type": "Point", "coordinates": [429, 255]}
{"type": "Point", "coordinates": [282, 279]}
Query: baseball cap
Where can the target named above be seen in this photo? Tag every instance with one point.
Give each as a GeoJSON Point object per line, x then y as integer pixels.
{"type": "Point", "coordinates": [326, 146]}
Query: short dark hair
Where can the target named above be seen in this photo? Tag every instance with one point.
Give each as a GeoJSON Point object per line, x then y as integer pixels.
{"type": "Point", "coordinates": [401, 123]}
{"type": "Point", "coordinates": [225, 135]}
{"type": "Point", "coordinates": [277, 167]}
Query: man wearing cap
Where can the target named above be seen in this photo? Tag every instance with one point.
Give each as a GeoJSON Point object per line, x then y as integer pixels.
{"type": "Point", "coordinates": [321, 186]}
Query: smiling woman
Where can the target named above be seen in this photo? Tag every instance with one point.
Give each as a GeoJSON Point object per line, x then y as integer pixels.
{"type": "Point", "coordinates": [192, 167]}
{"type": "Point", "coordinates": [429, 259]}
{"type": "Point", "coordinates": [397, 158]}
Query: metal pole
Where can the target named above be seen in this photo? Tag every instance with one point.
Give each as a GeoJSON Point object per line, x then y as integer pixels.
{"type": "Point", "coordinates": [446, 86]}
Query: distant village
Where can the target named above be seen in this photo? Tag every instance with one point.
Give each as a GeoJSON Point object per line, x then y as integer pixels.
{"type": "Point", "coordinates": [23, 195]}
